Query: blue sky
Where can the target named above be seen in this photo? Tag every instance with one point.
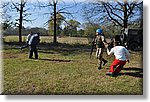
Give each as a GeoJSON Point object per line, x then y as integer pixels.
{"type": "Point", "coordinates": [42, 17]}
{"type": "Point", "coordinates": [39, 16]}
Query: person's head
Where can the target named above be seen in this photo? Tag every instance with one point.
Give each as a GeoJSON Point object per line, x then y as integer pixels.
{"type": "Point", "coordinates": [31, 33]}
{"type": "Point", "coordinates": [117, 43]}
{"type": "Point", "coordinates": [99, 32]}
{"type": "Point", "coordinates": [117, 40]}
{"type": "Point", "coordinates": [38, 34]}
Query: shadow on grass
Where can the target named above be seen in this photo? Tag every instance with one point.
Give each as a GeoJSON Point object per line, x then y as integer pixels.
{"type": "Point", "coordinates": [135, 72]}
{"type": "Point", "coordinates": [62, 48]}
{"type": "Point", "coordinates": [65, 49]}
{"type": "Point", "coordinates": [56, 60]}
{"type": "Point", "coordinates": [46, 52]}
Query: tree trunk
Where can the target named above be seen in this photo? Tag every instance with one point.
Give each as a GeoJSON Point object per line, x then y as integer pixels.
{"type": "Point", "coordinates": [20, 23]}
{"type": "Point", "coordinates": [125, 15]}
{"type": "Point", "coordinates": [55, 36]}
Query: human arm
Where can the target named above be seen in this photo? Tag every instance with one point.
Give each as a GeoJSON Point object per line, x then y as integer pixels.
{"type": "Point", "coordinates": [127, 55]}
{"type": "Point", "coordinates": [95, 40]}
{"type": "Point", "coordinates": [28, 37]}
{"type": "Point", "coordinates": [110, 52]}
{"type": "Point", "coordinates": [103, 39]}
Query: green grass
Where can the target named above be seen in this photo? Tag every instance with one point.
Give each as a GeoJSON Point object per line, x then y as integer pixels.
{"type": "Point", "coordinates": [67, 69]}
{"type": "Point", "coordinates": [48, 39]}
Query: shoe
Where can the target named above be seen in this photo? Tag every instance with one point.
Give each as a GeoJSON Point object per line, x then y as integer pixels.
{"type": "Point", "coordinates": [110, 73]}
{"type": "Point", "coordinates": [105, 61]}
{"type": "Point", "coordinates": [99, 67]}
{"type": "Point", "coordinates": [30, 57]}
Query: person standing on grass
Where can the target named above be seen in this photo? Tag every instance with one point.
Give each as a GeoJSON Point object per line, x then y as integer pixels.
{"type": "Point", "coordinates": [100, 45]}
{"type": "Point", "coordinates": [27, 41]}
{"type": "Point", "coordinates": [34, 40]}
{"type": "Point", "coordinates": [121, 57]}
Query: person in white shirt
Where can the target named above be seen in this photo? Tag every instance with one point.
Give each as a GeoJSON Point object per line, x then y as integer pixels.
{"type": "Point", "coordinates": [27, 40]}
{"type": "Point", "coordinates": [121, 57]}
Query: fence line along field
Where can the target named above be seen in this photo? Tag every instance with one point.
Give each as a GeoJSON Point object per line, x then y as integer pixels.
{"type": "Point", "coordinates": [65, 68]}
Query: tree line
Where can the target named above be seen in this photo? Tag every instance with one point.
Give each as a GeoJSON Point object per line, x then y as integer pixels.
{"type": "Point", "coordinates": [110, 16]}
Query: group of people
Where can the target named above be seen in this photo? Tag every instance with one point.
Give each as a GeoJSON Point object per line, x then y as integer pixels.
{"type": "Point", "coordinates": [120, 52]}
{"type": "Point", "coordinates": [31, 42]}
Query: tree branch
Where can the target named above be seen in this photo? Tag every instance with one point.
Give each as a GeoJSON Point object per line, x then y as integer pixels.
{"type": "Point", "coordinates": [17, 8]}
{"type": "Point", "coordinates": [104, 4]}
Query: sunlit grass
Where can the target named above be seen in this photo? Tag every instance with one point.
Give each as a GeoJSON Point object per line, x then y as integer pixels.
{"type": "Point", "coordinates": [49, 39]}
{"type": "Point", "coordinates": [67, 70]}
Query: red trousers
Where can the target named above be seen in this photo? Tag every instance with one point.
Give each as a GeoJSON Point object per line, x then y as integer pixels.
{"type": "Point", "coordinates": [118, 64]}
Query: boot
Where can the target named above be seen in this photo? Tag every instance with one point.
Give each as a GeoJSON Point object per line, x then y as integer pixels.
{"type": "Point", "coordinates": [100, 66]}
{"type": "Point", "coordinates": [109, 73]}
{"type": "Point", "coordinates": [105, 61]}
{"type": "Point", "coordinates": [112, 74]}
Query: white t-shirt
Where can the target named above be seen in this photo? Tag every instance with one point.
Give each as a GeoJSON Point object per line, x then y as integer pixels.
{"type": "Point", "coordinates": [28, 37]}
{"type": "Point", "coordinates": [120, 52]}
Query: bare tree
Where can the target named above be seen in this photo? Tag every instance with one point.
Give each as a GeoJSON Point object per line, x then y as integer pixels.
{"type": "Point", "coordinates": [4, 14]}
{"type": "Point", "coordinates": [121, 13]}
{"type": "Point", "coordinates": [54, 4]}
{"type": "Point", "coordinates": [20, 8]}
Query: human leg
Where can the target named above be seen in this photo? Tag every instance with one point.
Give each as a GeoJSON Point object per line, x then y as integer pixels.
{"type": "Point", "coordinates": [113, 65]}
{"type": "Point", "coordinates": [31, 51]}
{"type": "Point", "coordinates": [116, 63]}
{"type": "Point", "coordinates": [100, 59]}
{"type": "Point", "coordinates": [120, 66]}
{"type": "Point", "coordinates": [97, 52]}
{"type": "Point", "coordinates": [35, 51]}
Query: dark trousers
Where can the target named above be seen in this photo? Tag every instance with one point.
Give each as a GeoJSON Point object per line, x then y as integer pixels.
{"type": "Point", "coordinates": [33, 49]}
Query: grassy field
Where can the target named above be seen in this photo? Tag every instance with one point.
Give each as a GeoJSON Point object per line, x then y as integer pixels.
{"type": "Point", "coordinates": [48, 39]}
{"type": "Point", "coordinates": [65, 68]}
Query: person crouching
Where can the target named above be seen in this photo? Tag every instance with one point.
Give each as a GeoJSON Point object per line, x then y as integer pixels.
{"type": "Point", "coordinates": [121, 57]}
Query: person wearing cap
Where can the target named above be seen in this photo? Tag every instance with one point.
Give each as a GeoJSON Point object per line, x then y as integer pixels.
{"type": "Point", "coordinates": [100, 45]}
{"type": "Point", "coordinates": [122, 56]}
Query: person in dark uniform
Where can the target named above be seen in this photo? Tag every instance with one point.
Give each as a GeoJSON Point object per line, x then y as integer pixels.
{"type": "Point", "coordinates": [100, 45]}
{"type": "Point", "coordinates": [34, 40]}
